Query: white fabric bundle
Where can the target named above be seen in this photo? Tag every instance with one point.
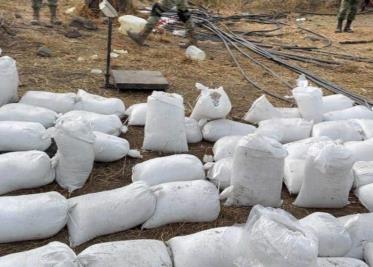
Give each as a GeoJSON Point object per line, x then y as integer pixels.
{"type": "Point", "coordinates": [328, 167]}
{"type": "Point", "coordinates": [58, 102]}
{"type": "Point", "coordinates": [172, 168]}
{"type": "Point", "coordinates": [365, 195]}
{"type": "Point", "coordinates": [285, 130]}
{"type": "Point", "coordinates": [99, 104]}
{"type": "Point", "coordinates": [109, 124]}
{"type": "Point", "coordinates": [22, 170]}
{"type": "Point", "coordinates": [109, 148]}
{"type": "Point", "coordinates": [309, 100]}
{"type": "Point", "coordinates": [24, 112]}
{"type": "Point", "coordinates": [368, 253]}
{"type": "Point", "coordinates": [289, 112]}
{"type": "Point", "coordinates": [334, 240]}
{"type": "Point", "coordinates": [273, 237]}
{"type": "Point", "coordinates": [109, 212]}
{"type": "Point", "coordinates": [214, 130]}
{"type": "Point", "coordinates": [361, 150]}
{"type": "Point", "coordinates": [355, 112]}
{"type": "Point", "coordinates": [30, 217]}
{"type": "Point", "coordinates": [23, 136]}
{"type": "Point", "coordinates": [360, 228]}
{"type": "Point", "coordinates": [130, 253]}
{"type": "Point", "coordinates": [261, 110]}
{"type": "Point", "coordinates": [165, 123]}
{"type": "Point", "coordinates": [340, 262]}
{"type": "Point", "coordinates": [339, 130]}
{"type": "Point", "coordinates": [137, 114]}
{"type": "Point", "coordinates": [75, 154]}
{"type": "Point", "coordinates": [252, 181]}
{"type": "Point", "coordinates": [190, 201]}
{"type": "Point", "coordinates": [216, 247]}
{"type": "Point", "coordinates": [220, 173]}
{"type": "Point", "coordinates": [55, 254]}
{"type": "Point", "coordinates": [336, 102]}
{"type": "Point", "coordinates": [363, 173]}
{"type": "Point", "coordinates": [367, 127]}
{"type": "Point", "coordinates": [211, 104]}
{"type": "Point", "coordinates": [8, 80]}
{"type": "Point", "coordinates": [193, 131]}
{"type": "Point", "coordinates": [131, 23]}
{"type": "Point", "coordinates": [225, 147]}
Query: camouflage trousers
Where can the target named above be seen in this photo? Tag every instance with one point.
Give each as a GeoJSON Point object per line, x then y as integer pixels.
{"type": "Point", "coordinates": [348, 9]}
{"type": "Point", "coordinates": [36, 4]}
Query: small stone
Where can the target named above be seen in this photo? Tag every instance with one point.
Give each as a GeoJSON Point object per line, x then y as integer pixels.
{"type": "Point", "coordinates": [80, 59]}
{"type": "Point", "coordinates": [18, 16]}
{"type": "Point", "coordinates": [73, 34]}
{"type": "Point", "coordinates": [114, 55]}
{"type": "Point", "coordinates": [96, 71]}
{"type": "Point", "coordinates": [44, 52]}
{"type": "Point", "coordinates": [94, 57]}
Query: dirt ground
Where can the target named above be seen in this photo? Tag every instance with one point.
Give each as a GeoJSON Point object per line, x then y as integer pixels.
{"type": "Point", "coordinates": [64, 73]}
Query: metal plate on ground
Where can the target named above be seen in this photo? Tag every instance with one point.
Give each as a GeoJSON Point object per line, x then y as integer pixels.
{"type": "Point", "coordinates": [139, 80]}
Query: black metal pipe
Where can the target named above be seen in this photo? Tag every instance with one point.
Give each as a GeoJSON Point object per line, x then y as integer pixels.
{"type": "Point", "coordinates": [108, 55]}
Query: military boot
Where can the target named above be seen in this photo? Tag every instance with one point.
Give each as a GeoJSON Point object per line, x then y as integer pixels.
{"type": "Point", "coordinates": [54, 20]}
{"type": "Point", "coordinates": [36, 17]}
{"type": "Point", "coordinates": [348, 26]}
{"type": "Point", "coordinates": [339, 26]}
{"type": "Point", "coordinates": [139, 38]}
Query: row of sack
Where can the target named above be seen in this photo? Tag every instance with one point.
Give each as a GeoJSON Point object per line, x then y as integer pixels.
{"type": "Point", "coordinates": [271, 238]}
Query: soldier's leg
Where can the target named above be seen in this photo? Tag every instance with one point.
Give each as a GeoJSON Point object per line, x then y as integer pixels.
{"type": "Point", "coordinates": [36, 5]}
{"type": "Point", "coordinates": [53, 9]}
{"type": "Point", "coordinates": [186, 17]}
{"type": "Point", "coordinates": [351, 15]}
{"type": "Point", "coordinates": [342, 15]}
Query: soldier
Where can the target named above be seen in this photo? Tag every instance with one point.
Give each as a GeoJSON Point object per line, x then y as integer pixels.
{"type": "Point", "coordinates": [36, 5]}
{"type": "Point", "coordinates": [347, 9]}
{"type": "Point", "coordinates": [155, 15]}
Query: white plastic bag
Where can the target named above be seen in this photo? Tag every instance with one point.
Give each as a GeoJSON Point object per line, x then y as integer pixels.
{"type": "Point", "coordinates": [24, 112]}
{"type": "Point", "coordinates": [367, 127]}
{"type": "Point", "coordinates": [131, 253]}
{"type": "Point", "coordinates": [334, 240]}
{"type": "Point", "coordinates": [167, 169]}
{"type": "Point", "coordinates": [360, 228]}
{"type": "Point", "coordinates": [339, 130]}
{"type": "Point", "coordinates": [23, 136]}
{"type": "Point", "coordinates": [99, 104]}
{"type": "Point", "coordinates": [340, 262]}
{"type": "Point", "coordinates": [328, 167]}
{"type": "Point", "coordinates": [225, 147]}
{"type": "Point", "coordinates": [8, 80]}
{"type": "Point", "coordinates": [356, 112]}
{"type": "Point", "coordinates": [294, 174]}
{"type": "Point", "coordinates": [109, 148]}
{"type": "Point", "coordinates": [368, 253]}
{"type": "Point", "coordinates": [194, 53]}
{"type": "Point", "coordinates": [55, 254]}
{"type": "Point", "coordinates": [336, 102]}
{"type": "Point", "coordinates": [131, 23]}
{"type": "Point", "coordinates": [165, 123]}
{"type": "Point", "coordinates": [30, 217]}
{"type": "Point", "coordinates": [216, 247]}
{"type": "Point", "coordinates": [109, 212]}
{"type": "Point", "coordinates": [298, 149]}
{"type": "Point", "coordinates": [211, 104]}
{"type": "Point", "coordinates": [252, 181]}
{"type": "Point", "coordinates": [220, 173]}
{"type": "Point", "coordinates": [261, 110]}
{"type": "Point", "coordinates": [365, 195]}
{"type": "Point", "coordinates": [137, 114]}
{"type": "Point", "coordinates": [193, 131]}
{"type": "Point", "coordinates": [289, 112]}
{"type": "Point", "coordinates": [214, 130]}
{"type": "Point", "coordinates": [361, 150]}
{"type": "Point", "coordinates": [363, 173]}
{"type": "Point", "coordinates": [75, 154]}
{"type": "Point", "coordinates": [109, 124]}
{"type": "Point", "coordinates": [22, 170]}
{"type": "Point", "coordinates": [58, 102]}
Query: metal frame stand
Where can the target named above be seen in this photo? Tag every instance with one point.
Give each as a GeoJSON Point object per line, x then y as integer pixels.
{"type": "Point", "coordinates": [108, 55]}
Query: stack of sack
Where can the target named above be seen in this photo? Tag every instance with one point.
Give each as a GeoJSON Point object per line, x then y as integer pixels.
{"type": "Point", "coordinates": [363, 183]}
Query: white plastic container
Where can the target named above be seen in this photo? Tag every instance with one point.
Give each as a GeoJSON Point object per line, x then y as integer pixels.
{"type": "Point", "coordinates": [131, 23]}
{"type": "Point", "coordinates": [194, 53]}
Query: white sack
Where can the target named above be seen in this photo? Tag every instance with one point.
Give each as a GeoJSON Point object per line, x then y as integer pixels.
{"type": "Point", "coordinates": [363, 173]}
{"type": "Point", "coordinates": [130, 253]}
{"type": "Point", "coordinates": [24, 112]}
{"type": "Point", "coordinates": [131, 23]}
{"type": "Point", "coordinates": [225, 147]}
{"type": "Point", "coordinates": [340, 262]}
{"type": "Point", "coordinates": [294, 174]}
{"type": "Point", "coordinates": [23, 170]}
{"type": "Point", "coordinates": [368, 253]}
{"type": "Point", "coordinates": [75, 155]}
{"type": "Point", "coordinates": [339, 130]}
{"type": "Point", "coordinates": [361, 150]}
{"type": "Point", "coordinates": [327, 177]}
{"type": "Point", "coordinates": [367, 127]}
{"type": "Point", "coordinates": [216, 247]}
{"type": "Point", "coordinates": [193, 131]}
{"type": "Point", "coordinates": [220, 173]}
{"type": "Point", "coordinates": [165, 123]}
{"type": "Point", "coordinates": [261, 110]}
{"type": "Point", "coordinates": [58, 102]}
{"type": "Point", "coordinates": [109, 148]}
{"type": "Point", "coordinates": [252, 181]}
{"type": "Point", "coordinates": [174, 168]}
{"type": "Point", "coordinates": [195, 53]}
{"type": "Point", "coordinates": [54, 254]}
{"type": "Point", "coordinates": [109, 124]}
{"type": "Point", "coordinates": [99, 104]}
{"type": "Point", "coordinates": [8, 80]}
{"type": "Point", "coordinates": [107, 212]}
{"type": "Point", "coordinates": [289, 113]}
{"type": "Point", "coordinates": [137, 114]}
{"type": "Point", "coordinates": [336, 102]}
{"type": "Point", "coordinates": [356, 112]}
{"type": "Point", "coordinates": [214, 130]}
{"type": "Point", "coordinates": [298, 149]}
{"type": "Point", "coordinates": [285, 130]}
{"type": "Point", "coordinates": [23, 136]}
{"type": "Point", "coordinates": [334, 240]}
{"type": "Point", "coordinates": [365, 195]}
{"type": "Point", "coordinates": [211, 104]}
{"type": "Point", "coordinates": [360, 228]}
{"type": "Point", "coordinates": [30, 217]}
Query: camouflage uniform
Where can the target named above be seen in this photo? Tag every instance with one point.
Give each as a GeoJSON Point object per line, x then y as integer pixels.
{"type": "Point", "coordinates": [36, 6]}
{"type": "Point", "coordinates": [347, 10]}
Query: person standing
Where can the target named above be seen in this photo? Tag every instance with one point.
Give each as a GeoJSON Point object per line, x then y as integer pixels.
{"type": "Point", "coordinates": [348, 9]}
{"type": "Point", "coordinates": [36, 6]}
